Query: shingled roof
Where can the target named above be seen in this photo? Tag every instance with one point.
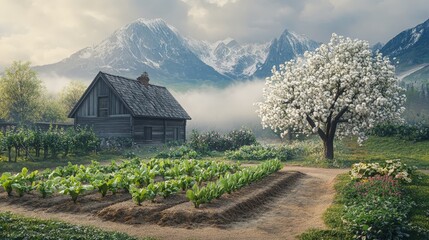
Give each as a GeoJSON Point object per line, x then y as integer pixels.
{"type": "Point", "coordinates": [143, 101]}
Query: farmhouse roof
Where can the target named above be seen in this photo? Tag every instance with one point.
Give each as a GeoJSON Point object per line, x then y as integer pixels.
{"type": "Point", "coordinates": [140, 99]}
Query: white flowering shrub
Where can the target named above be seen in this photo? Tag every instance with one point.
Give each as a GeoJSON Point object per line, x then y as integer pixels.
{"type": "Point", "coordinates": [340, 89]}
{"type": "Point", "coordinates": [394, 168]}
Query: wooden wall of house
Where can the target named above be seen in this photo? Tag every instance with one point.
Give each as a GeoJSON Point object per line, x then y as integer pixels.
{"type": "Point", "coordinates": [88, 108]}
{"type": "Point", "coordinates": [171, 127]}
{"type": "Point", "coordinates": [118, 126]}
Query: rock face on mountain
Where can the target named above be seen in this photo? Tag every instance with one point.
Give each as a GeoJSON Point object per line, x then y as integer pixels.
{"type": "Point", "coordinates": [288, 46]}
{"type": "Point", "coordinates": [144, 45]}
{"type": "Point", "coordinates": [409, 48]}
{"type": "Point", "coordinates": [171, 59]}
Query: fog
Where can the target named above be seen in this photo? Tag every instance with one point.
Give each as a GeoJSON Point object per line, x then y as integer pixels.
{"type": "Point", "coordinates": [211, 108]}
{"type": "Point", "coordinates": [222, 109]}
{"type": "Point", "coordinates": [54, 83]}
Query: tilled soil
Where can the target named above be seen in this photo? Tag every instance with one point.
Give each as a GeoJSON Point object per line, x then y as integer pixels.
{"type": "Point", "coordinates": [284, 215]}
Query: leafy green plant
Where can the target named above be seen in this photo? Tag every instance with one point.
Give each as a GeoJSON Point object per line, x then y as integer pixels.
{"type": "Point", "coordinates": [100, 182]}
{"type": "Point", "coordinates": [140, 195]}
{"type": "Point", "coordinates": [231, 182]}
{"type": "Point", "coordinates": [73, 187]}
{"type": "Point", "coordinates": [6, 181]}
{"type": "Point", "coordinates": [394, 168]}
{"type": "Point", "coordinates": [168, 188]}
{"type": "Point", "coordinates": [48, 187]}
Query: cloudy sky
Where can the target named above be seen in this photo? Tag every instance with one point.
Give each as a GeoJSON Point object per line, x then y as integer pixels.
{"type": "Point", "coordinates": [44, 32]}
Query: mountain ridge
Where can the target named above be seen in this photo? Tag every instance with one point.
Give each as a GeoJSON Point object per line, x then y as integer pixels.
{"type": "Point", "coordinates": [154, 46]}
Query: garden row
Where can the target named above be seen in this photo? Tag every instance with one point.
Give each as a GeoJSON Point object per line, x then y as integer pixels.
{"type": "Point", "coordinates": [53, 141]}
{"type": "Point", "coordinates": [143, 180]}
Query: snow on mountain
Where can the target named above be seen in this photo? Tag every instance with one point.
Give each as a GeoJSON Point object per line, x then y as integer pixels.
{"type": "Point", "coordinates": [410, 47]}
{"type": "Point", "coordinates": [288, 46]}
{"type": "Point", "coordinates": [230, 58]}
{"type": "Point", "coordinates": [173, 60]}
{"type": "Point", "coordinates": [143, 45]}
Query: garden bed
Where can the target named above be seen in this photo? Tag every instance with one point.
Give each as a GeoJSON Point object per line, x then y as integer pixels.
{"type": "Point", "coordinates": [88, 203]}
{"type": "Point", "coordinates": [177, 211]}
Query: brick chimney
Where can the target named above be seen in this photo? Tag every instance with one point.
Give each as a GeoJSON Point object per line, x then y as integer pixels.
{"type": "Point", "coordinates": [144, 79]}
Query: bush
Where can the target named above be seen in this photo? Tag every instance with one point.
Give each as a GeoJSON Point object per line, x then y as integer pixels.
{"type": "Point", "coordinates": [394, 168]}
{"type": "Point", "coordinates": [258, 152]}
{"type": "Point", "coordinates": [181, 152]}
{"type": "Point", "coordinates": [242, 137]}
{"type": "Point", "coordinates": [376, 208]}
{"type": "Point", "coordinates": [416, 132]}
{"type": "Point", "coordinates": [214, 141]}
{"type": "Point", "coordinates": [378, 218]}
{"type": "Point", "coordinates": [375, 204]}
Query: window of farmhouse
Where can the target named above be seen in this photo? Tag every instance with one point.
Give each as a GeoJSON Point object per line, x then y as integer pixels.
{"type": "Point", "coordinates": [103, 106]}
{"type": "Point", "coordinates": [148, 133]}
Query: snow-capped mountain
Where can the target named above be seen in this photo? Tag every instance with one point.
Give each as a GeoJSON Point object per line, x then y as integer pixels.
{"type": "Point", "coordinates": [143, 45]}
{"type": "Point", "coordinates": [410, 47]}
{"type": "Point", "coordinates": [173, 60]}
{"type": "Point", "coordinates": [238, 61]}
{"type": "Point", "coordinates": [288, 46]}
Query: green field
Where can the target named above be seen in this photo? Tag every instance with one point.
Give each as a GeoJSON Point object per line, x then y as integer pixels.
{"type": "Point", "coordinates": [347, 152]}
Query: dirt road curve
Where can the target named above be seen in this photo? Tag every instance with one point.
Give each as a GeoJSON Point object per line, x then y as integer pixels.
{"type": "Point", "coordinates": [297, 209]}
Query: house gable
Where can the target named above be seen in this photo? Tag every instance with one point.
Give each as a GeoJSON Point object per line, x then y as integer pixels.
{"type": "Point", "coordinates": [99, 92]}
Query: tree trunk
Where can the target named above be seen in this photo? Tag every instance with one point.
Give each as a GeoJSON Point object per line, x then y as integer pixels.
{"type": "Point", "coordinates": [328, 144]}
{"type": "Point", "coordinates": [9, 151]}
{"type": "Point", "coordinates": [45, 153]}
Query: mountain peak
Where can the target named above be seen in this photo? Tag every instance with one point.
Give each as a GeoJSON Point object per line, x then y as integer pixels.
{"type": "Point", "coordinates": [151, 22]}
{"type": "Point", "coordinates": [288, 46]}
{"type": "Point", "coordinates": [409, 47]}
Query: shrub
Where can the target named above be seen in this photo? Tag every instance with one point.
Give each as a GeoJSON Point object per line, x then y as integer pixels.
{"type": "Point", "coordinates": [258, 152]}
{"type": "Point", "coordinates": [375, 206]}
{"type": "Point", "coordinates": [415, 132]}
{"type": "Point", "coordinates": [214, 141]}
{"type": "Point", "coordinates": [394, 168]}
{"type": "Point", "coordinates": [180, 152]}
{"type": "Point", "coordinates": [378, 218]}
{"type": "Point", "coordinates": [242, 137]}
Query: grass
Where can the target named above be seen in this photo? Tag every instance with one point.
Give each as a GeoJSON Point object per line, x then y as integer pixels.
{"type": "Point", "coordinates": [418, 190]}
{"type": "Point", "coordinates": [17, 227]}
{"type": "Point", "coordinates": [375, 149]}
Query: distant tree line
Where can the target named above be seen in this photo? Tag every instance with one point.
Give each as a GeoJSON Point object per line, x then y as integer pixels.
{"type": "Point", "coordinates": [417, 103]}
{"type": "Point", "coordinates": [24, 100]}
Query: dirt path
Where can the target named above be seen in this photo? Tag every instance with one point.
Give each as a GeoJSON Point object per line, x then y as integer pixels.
{"type": "Point", "coordinates": [297, 209]}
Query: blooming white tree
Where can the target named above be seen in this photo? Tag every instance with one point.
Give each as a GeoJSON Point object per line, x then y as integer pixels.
{"type": "Point", "coordinates": [340, 89]}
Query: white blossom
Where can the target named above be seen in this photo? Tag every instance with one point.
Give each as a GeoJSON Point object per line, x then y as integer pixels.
{"type": "Point", "coordinates": [342, 79]}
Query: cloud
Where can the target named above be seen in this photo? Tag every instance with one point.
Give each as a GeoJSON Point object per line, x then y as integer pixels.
{"type": "Point", "coordinates": [222, 109]}
{"type": "Point", "coordinates": [47, 31]}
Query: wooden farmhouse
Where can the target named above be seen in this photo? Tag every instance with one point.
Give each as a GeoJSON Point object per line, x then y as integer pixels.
{"type": "Point", "coordinates": [115, 106]}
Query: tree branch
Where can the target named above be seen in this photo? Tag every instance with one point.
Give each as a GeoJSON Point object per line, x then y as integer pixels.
{"type": "Point", "coordinates": [313, 125]}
